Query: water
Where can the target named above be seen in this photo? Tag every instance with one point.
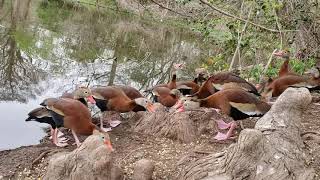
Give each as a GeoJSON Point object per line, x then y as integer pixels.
{"type": "Point", "coordinates": [58, 49]}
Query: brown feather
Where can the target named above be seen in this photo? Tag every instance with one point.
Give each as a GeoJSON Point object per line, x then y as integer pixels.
{"type": "Point", "coordinates": [165, 97]}
{"type": "Point", "coordinates": [76, 115]}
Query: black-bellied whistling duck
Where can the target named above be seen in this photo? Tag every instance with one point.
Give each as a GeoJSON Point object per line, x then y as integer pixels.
{"type": "Point", "coordinates": [112, 98]}
{"type": "Point", "coordinates": [42, 115]}
{"type": "Point", "coordinates": [236, 103]}
{"type": "Point", "coordinates": [172, 84]}
{"type": "Point", "coordinates": [166, 96]}
{"type": "Point", "coordinates": [279, 85]}
{"type": "Point", "coordinates": [188, 87]}
{"type": "Point", "coordinates": [228, 80]}
{"type": "Point", "coordinates": [72, 114]}
{"type": "Point", "coordinates": [82, 94]}
{"type": "Point", "coordinates": [132, 93]}
{"type": "Point", "coordinates": [284, 69]}
{"type": "Point", "coordinates": [201, 74]}
{"type": "Point", "coordinates": [205, 90]}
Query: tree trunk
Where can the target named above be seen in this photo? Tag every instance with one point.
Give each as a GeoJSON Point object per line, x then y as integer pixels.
{"type": "Point", "coordinates": [1, 4]}
{"type": "Point", "coordinates": [273, 150]}
{"type": "Point", "coordinates": [113, 72]}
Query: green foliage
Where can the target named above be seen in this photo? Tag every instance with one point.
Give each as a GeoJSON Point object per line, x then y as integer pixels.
{"type": "Point", "coordinates": [52, 15]}
{"type": "Point", "coordinates": [300, 67]}
{"type": "Point", "coordinates": [296, 66]}
{"type": "Point", "coordinates": [24, 39]}
{"type": "Point", "coordinates": [215, 63]}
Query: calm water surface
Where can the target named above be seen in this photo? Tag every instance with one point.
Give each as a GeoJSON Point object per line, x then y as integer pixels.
{"type": "Point", "coordinates": [58, 49]}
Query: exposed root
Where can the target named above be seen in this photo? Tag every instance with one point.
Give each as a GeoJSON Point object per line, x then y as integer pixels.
{"type": "Point", "coordinates": [184, 126]}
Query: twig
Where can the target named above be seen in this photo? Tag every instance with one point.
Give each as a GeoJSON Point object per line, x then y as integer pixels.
{"type": "Point", "coordinates": [162, 6]}
{"type": "Point", "coordinates": [241, 19]}
{"type": "Point", "coordinates": [279, 27]}
{"type": "Point", "coordinates": [310, 132]}
{"type": "Point", "coordinates": [267, 65]}
{"type": "Point", "coordinates": [202, 152]}
{"type": "Point", "coordinates": [42, 155]}
{"type": "Point", "coordinates": [237, 51]}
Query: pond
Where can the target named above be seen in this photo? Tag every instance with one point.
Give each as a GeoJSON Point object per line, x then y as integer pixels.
{"type": "Point", "coordinates": [57, 48]}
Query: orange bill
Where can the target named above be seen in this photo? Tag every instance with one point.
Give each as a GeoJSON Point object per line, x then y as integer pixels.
{"type": "Point", "coordinates": [150, 107]}
{"type": "Point", "coordinates": [91, 99]}
{"type": "Point", "coordinates": [278, 53]}
{"type": "Point", "coordinates": [109, 146]}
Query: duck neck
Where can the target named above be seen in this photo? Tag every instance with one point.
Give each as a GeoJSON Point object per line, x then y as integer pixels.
{"type": "Point", "coordinates": [284, 67]}
{"type": "Point", "coordinates": [131, 105]}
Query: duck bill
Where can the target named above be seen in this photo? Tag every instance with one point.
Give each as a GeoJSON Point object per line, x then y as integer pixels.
{"type": "Point", "coordinates": [178, 105]}
{"type": "Point", "coordinates": [150, 107]}
{"type": "Point", "coordinates": [91, 100]}
{"type": "Point", "coordinates": [109, 146]}
{"type": "Point", "coordinates": [278, 53]}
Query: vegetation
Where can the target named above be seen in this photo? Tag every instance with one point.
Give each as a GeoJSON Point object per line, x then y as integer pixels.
{"type": "Point", "coordinates": [87, 28]}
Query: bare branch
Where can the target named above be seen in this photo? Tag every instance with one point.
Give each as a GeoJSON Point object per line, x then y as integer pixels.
{"type": "Point", "coordinates": [162, 6]}
{"type": "Point", "coordinates": [241, 19]}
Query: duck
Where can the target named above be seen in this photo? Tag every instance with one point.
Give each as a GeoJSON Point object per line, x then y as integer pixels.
{"type": "Point", "coordinates": [201, 74]}
{"type": "Point", "coordinates": [279, 85]}
{"type": "Point", "coordinates": [172, 83]}
{"type": "Point", "coordinates": [132, 93]}
{"type": "Point", "coordinates": [165, 96]}
{"type": "Point", "coordinates": [113, 98]}
{"type": "Point", "coordinates": [205, 90]}
{"type": "Point", "coordinates": [284, 68]}
{"type": "Point", "coordinates": [229, 80]}
{"type": "Point", "coordinates": [71, 114]}
{"type": "Point", "coordinates": [82, 94]}
{"type": "Point", "coordinates": [41, 115]}
{"type": "Point", "coordinates": [236, 103]}
{"type": "Point", "coordinates": [188, 87]}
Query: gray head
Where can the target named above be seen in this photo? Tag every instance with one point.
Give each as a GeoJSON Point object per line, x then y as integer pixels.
{"type": "Point", "coordinates": [146, 103]}
{"type": "Point", "coordinates": [176, 93]}
{"type": "Point", "coordinates": [189, 103]}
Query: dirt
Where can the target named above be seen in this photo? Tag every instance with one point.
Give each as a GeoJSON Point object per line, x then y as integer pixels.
{"type": "Point", "coordinates": [169, 156]}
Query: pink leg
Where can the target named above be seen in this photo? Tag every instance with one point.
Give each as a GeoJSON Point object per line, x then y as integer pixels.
{"type": "Point", "coordinates": [76, 138]}
{"type": "Point", "coordinates": [51, 133]}
{"type": "Point", "coordinates": [56, 140]}
{"type": "Point", "coordinates": [223, 125]}
{"type": "Point", "coordinates": [220, 136]}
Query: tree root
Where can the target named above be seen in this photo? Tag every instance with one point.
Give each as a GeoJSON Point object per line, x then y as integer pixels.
{"type": "Point", "coordinates": [274, 150]}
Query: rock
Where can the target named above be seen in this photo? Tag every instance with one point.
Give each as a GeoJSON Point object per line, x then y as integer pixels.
{"type": "Point", "coordinates": [143, 170]}
{"type": "Point", "coordinates": [91, 161]}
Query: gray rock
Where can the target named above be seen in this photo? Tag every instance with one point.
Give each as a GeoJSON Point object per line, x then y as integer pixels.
{"type": "Point", "coordinates": [91, 161]}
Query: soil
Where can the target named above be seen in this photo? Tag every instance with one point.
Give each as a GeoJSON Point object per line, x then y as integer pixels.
{"type": "Point", "coordinates": [169, 156]}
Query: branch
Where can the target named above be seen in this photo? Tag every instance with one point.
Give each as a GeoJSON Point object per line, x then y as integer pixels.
{"type": "Point", "coordinates": [279, 27]}
{"type": "Point", "coordinates": [244, 20]}
{"type": "Point", "coordinates": [237, 51]}
{"type": "Point", "coordinates": [162, 6]}
{"type": "Point", "coordinates": [267, 65]}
